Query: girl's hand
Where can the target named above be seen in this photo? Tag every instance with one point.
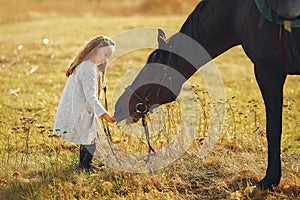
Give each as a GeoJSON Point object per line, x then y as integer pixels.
{"type": "Point", "coordinates": [108, 118]}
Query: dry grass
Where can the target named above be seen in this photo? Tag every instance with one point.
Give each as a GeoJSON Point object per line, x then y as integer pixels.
{"type": "Point", "coordinates": [13, 11]}
{"type": "Point", "coordinates": [36, 166]}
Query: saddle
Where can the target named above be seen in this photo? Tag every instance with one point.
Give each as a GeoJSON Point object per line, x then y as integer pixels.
{"type": "Point", "coordinates": [288, 9]}
{"type": "Point", "coordinates": [283, 12]}
{"type": "Point", "coordinates": [286, 13]}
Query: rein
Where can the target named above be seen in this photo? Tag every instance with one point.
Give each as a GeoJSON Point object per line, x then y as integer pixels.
{"type": "Point", "coordinates": [105, 124]}
{"type": "Point", "coordinates": [143, 107]}
{"type": "Point", "coordinates": [106, 127]}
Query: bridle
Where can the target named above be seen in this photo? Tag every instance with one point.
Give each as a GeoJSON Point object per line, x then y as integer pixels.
{"type": "Point", "coordinates": [104, 123]}
{"type": "Point", "coordinates": [143, 107]}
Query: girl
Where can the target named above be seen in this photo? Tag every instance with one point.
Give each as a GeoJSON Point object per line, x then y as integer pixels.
{"type": "Point", "coordinates": [79, 108]}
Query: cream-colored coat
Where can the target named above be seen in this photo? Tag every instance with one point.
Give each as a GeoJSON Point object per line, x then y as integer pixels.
{"type": "Point", "coordinates": [79, 108]}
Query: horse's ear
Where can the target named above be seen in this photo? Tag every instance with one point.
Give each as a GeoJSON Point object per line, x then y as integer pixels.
{"type": "Point", "coordinates": [161, 38]}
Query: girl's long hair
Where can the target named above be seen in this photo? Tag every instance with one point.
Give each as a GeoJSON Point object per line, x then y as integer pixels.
{"type": "Point", "coordinates": [97, 42]}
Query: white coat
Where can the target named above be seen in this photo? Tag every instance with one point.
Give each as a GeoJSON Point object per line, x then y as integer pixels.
{"type": "Point", "coordinates": [79, 108]}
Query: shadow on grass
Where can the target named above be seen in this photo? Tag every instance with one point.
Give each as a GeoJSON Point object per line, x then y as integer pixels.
{"type": "Point", "coordinates": [212, 181]}
{"type": "Point", "coordinates": [184, 179]}
{"type": "Point", "coordinates": [39, 184]}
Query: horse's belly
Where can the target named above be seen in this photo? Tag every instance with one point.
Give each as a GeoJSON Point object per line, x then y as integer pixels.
{"type": "Point", "coordinates": [266, 46]}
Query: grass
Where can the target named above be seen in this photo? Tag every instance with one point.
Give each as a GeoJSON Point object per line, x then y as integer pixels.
{"type": "Point", "coordinates": [34, 165]}
{"type": "Point", "coordinates": [43, 9]}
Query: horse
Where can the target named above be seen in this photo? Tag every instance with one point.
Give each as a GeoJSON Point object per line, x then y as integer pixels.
{"type": "Point", "coordinates": [218, 26]}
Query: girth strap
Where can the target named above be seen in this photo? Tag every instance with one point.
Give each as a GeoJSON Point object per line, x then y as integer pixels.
{"type": "Point", "coordinates": [271, 15]}
{"type": "Point", "coordinates": [267, 13]}
{"type": "Point", "coordinates": [262, 16]}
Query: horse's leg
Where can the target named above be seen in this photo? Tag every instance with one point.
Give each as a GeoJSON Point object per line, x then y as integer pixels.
{"type": "Point", "coordinates": [271, 84]}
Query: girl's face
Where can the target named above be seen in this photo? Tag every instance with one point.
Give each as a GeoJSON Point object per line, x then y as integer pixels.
{"type": "Point", "coordinates": [101, 55]}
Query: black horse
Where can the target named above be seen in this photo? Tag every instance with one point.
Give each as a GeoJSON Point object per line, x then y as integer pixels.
{"type": "Point", "coordinates": [218, 25]}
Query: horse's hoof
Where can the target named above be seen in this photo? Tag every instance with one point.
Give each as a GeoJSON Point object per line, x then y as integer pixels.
{"type": "Point", "coordinates": [256, 193]}
{"type": "Point", "coordinates": [267, 184]}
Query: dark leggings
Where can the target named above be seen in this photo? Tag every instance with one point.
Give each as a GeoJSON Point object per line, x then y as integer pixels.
{"type": "Point", "coordinates": [86, 155]}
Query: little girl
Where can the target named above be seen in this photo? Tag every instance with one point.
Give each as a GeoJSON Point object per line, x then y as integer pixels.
{"type": "Point", "coordinates": [79, 108]}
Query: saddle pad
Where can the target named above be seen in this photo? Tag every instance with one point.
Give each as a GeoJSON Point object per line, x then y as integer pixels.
{"type": "Point", "coordinates": [277, 18]}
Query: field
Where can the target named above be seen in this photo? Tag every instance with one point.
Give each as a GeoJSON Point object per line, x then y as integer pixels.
{"type": "Point", "coordinates": [38, 44]}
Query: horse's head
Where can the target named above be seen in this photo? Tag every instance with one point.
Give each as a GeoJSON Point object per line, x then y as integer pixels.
{"type": "Point", "coordinates": [158, 82]}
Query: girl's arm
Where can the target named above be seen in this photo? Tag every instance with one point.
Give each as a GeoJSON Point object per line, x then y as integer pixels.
{"type": "Point", "coordinates": [89, 81]}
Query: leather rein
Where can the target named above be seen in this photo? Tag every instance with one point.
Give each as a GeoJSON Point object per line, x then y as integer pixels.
{"type": "Point", "coordinates": [143, 108]}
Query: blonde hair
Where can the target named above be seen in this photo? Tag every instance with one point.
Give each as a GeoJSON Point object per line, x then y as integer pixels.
{"type": "Point", "coordinates": [101, 41]}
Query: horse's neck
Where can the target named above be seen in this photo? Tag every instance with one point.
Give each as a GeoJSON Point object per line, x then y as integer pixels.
{"type": "Point", "coordinates": [210, 24]}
